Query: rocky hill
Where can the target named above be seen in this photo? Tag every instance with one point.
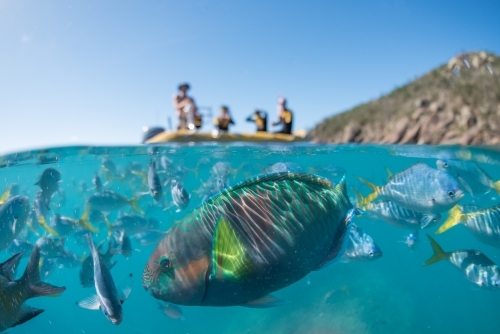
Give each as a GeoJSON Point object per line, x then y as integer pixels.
{"type": "Point", "coordinates": [457, 103]}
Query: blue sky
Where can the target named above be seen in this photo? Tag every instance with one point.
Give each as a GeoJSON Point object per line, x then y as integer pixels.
{"type": "Point", "coordinates": [95, 72]}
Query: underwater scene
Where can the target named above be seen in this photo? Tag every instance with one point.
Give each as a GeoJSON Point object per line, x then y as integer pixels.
{"type": "Point", "coordinates": [246, 238]}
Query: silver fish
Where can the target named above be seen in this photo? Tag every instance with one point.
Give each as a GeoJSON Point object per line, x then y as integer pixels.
{"type": "Point", "coordinates": [360, 246]}
{"type": "Point", "coordinates": [419, 188]}
{"type": "Point", "coordinates": [149, 237]}
{"type": "Point", "coordinates": [107, 297]}
{"type": "Point", "coordinates": [49, 183]}
{"type": "Point", "coordinates": [131, 224]}
{"type": "Point", "coordinates": [154, 183]}
{"type": "Point", "coordinates": [13, 215]}
{"type": "Point", "coordinates": [473, 264]}
{"type": "Point", "coordinates": [50, 248]}
{"type": "Point", "coordinates": [87, 269]}
{"type": "Point", "coordinates": [122, 243]}
{"type": "Point", "coordinates": [180, 196]}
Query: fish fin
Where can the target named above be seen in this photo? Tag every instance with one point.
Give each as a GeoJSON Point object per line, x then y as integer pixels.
{"type": "Point", "coordinates": [426, 220]}
{"type": "Point", "coordinates": [265, 302]}
{"type": "Point", "coordinates": [85, 222]}
{"type": "Point", "coordinates": [496, 186]}
{"type": "Point", "coordinates": [389, 172]}
{"type": "Point", "coordinates": [112, 264]}
{"type": "Point", "coordinates": [90, 303]}
{"type": "Point", "coordinates": [127, 288]}
{"type": "Point", "coordinates": [135, 205]}
{"type": "Point", "coordinates": [373, 195]}
{"type": "Point", "coordinates": [26, 314]}
{"type": "Point", "coordinates": [178, 210]}
{"type": "Point", "coordinates": [46, 226]}
{"type": "Point", "coordinates": [455, 216]}
{"type": "Point", "coordinates": [31, 278]}
{"type": "Point", "coordinates": [465, 185]}
{"type": "Point", "coordinates": [5, 196]}
{"type": "Point", "coordinates": [9, 267]}
{"type": "Point", "coordinates": [229, 257]}
{"type": "Point", "coordinates": [108, 225]}
{"type": "Point", "coordinates": [439, 253]}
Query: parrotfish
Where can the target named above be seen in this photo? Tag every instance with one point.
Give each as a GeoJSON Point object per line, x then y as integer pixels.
{"type": "Point", "coordinates": [472, 178]}
{"type": "Point", "coordinates": [13, 215]}
{"type": "Point", "coordinates": [250, 240]}
{"type": "Point", "coordinates": [360, 246]}
{"type": "Point", "coordinates": [419, 188]}
{"type": "Point", "coordinates": [473, 264]}
{"type": "Point", "coordinates": [484, 224]}
{"type": "Point", "coordinates": [13, 294]}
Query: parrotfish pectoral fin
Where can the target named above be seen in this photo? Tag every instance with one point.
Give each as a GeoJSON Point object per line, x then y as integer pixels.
{"type": "Point", "coordinates": [265, 302]}
{"type": "Point", "coordinates": [439, 253]}
{"type": "Point", "coordinates": [27, 313]}
{"type": "Point", "coordinates": [496, 186]}
{"type": "Point", "coordinates": [90, 303]}
{"type": "Point", "coordinates": [230, 259]}
{"type": "Point", "coordinates": [135, 205]}
{"type": "Point", "coordinates": [455, 216]}
{"type": "Point", "coordinates": [373, 195]}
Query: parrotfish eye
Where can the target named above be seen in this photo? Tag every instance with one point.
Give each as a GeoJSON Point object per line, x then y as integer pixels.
{"type": "Point", "coordinates": [451, 193]}
{"type": "Point", "coordinates": [165, 263]}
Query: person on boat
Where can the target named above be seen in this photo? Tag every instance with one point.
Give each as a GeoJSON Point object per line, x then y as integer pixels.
{"type": "Point", "coordinates": [187, 113]}
{"type": "Point", "coordinates": [224, 120]}
{"type": "Point", "coordinates": [260, 119]}
{"type": "Point", "coordinates": [285, 117]}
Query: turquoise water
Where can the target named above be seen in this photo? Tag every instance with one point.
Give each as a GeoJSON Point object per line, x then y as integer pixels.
{"type": "Point", "coordinates": [393, 294]}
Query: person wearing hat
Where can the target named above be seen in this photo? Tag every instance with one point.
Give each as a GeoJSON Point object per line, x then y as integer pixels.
{"type": "Point", "coordinates": [224, 120]}
{"type": "Point", "coordinates": [285, 117]}
{"type": "Point", "coordinates": [260, 119]}
{"type": "Point", "coordinates": [187, 113]}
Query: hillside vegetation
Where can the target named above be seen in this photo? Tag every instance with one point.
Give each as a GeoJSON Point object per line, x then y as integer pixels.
{"type": "Point", "coordinates": [457, 103]}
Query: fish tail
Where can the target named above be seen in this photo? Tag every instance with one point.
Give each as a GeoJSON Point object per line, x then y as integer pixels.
{"type": "Point", "coordinates": [439, 253]}
{"type": "Point", "coordinates": [496, 186]}
{"type": "Point", "coordinates": [85, 222]}
{"type": "Point", "coordinates": [455, 216]}
{"type": "Point", "coordinates": [373, 195]}
{"type": "Point", "coordinates": [359, 199]}
{"type": "Point", "coordinates": [31, 278]}
{"type": "Point", "coordinates": [46, 226]}
{"type": "Point", "coordinates": [135, 205]}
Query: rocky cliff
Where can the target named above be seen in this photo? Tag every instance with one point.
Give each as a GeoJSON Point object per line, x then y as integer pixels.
{"type": "Point", "coordinates": [457, 103]}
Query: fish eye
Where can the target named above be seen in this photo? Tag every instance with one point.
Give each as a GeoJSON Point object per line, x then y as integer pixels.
{"type": "Point", "coordinates": [106, 312]}
{"type": "Point", "coordinates": [445, 165]}
{"type": "Point", "coordinates": [451, 193]}
{"type": "Point", "coordinates": [165, 263]}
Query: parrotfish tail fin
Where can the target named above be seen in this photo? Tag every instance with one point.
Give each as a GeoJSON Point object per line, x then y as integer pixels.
{"type": "Point", "coordinates": [9, 267]}
{"type": "Point", "coordinates": [389, 172]}
{"type": "Point", "coordinates": [439, 253]}
{"type": "Point", "coordinates": [230, 259]}
{"type": "Point", "coordinates": [496, 186]}
{"type": "Point", "coordinates": [265, 302]}
{"type": "Point", "coordinates": [373, 195]}
{"type": "Point", "coordinates": [43, 222]}
{"type": "Point", "coordinates": [135, 205]}
{"type": "Point", "coordinates": [455, 216]}
{"type": "Point", "coordinates": [85, 222]}
{"type": "Point", "coordinates": [31, 278]}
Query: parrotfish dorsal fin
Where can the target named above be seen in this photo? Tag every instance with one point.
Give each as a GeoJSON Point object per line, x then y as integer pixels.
{"type": "Point", "coordinates": [279, 176]}
{"type": "Point", "coordinates": [230, 259]}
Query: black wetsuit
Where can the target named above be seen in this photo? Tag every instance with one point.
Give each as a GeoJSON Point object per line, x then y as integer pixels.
{"type": "Point", "coordinates": [223, 123]}
{"type": "Point", "coordinates": [260, 121]}
{"type": "Point", "coordinates": [286, 118]}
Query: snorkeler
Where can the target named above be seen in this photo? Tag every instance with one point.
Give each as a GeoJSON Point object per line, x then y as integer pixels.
{"type": "Point", "coordinates": [224, 120]}
{"type": "Point", "coordinates": [187, 112]}
{"type": "Point", "coordinates": [260, 119]}
{"type": "Point", "coordinates": [285, 117]}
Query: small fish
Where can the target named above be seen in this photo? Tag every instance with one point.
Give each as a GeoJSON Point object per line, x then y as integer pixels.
{"type": "Point", "coordinates": [472, 178]}
{"type": "Point", "coordinates": [51, 248]}
{"type": "Point", "coordinates": [68, 260]}
{"type": "Point", "coordinates": [419, 188]}
{"type": "Point", "coordinates": [13, 216]}
{"type": "Point", "coordinates": [154, 183]}
{"type": "Point", "coordinates": [122, 243]}
{"type": "Point", "coordinates": [473, 264]}
{"type": "Point", "coordinates": [87, 269]}
{"type": "Point", "coordinates": [412, 239]}
{"type": "Point", "coordinates": [49, 183]}
{"type": "Point", "coordinates": [149, 237]}
{"type": "Point", "coordinates": [131, 224]}
{"type": "Point", "coordinates": [180, 196]}
{"type": "Point", "coordinates": [109, 201]}
{"type": "Point", "coordinates": [484, 224]}
{"type": "Point", "coordinates": [171, 310]}
{"type": "Point", "coordinates": [396, 215]}
{"type": "Point", "coordinates": [280, 167]}
{"type": "Point", "coordinates": [107, 298]}
{"type": "Point", "coordinates": [63, 226]}
{"type": "Point", "coordinates": [20, 246]}
{"type": "Point", "coordinates": [221, 169]}
{"type": "Point", "coordinates": [360, 246]}
{"type": "Point", "coordinates": [97, 182]}
{"type": "Point", "coordinates": [13, 312]}
{"type": "Point", "coordinates": [47, 267]}
{"type": "Point", "coordinates": [41, 210]}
